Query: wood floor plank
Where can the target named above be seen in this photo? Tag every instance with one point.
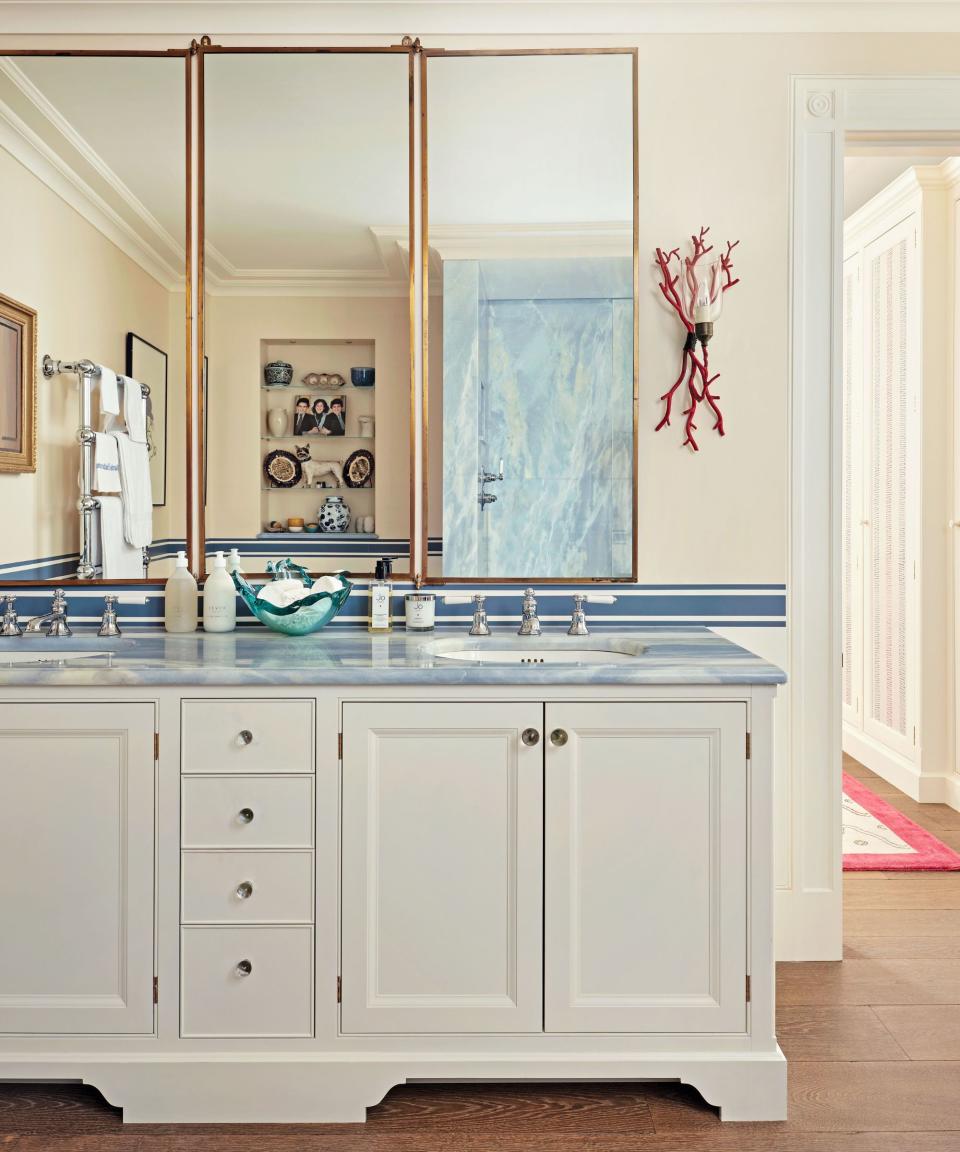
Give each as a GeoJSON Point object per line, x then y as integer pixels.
{"type": "Point", "coordinates": [924, 1033]}
{"type": "Point", "coordinates": [901, 922]}
{"type": "Point", "coordinates": [901, 948]}
{"type": "Point", "coordinates": [901, 1096]}
{"type": "Point", "coordinates": [854, 1032]}
{"type": "Point", "coordinates": [870, 982]}
{"type": "Point", "coordinates": [937, 890]}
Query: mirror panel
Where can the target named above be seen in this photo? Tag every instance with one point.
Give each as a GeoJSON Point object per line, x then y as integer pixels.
{"type": "Point", "coordinates": [306, 276]}
{"type": "Point", "coordinates": [93, 155]}
{"type": "Point", "coordinates": [531, 368]}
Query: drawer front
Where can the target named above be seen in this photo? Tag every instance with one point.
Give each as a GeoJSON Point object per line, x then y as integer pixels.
{"type": "Point", "coordinates": [273, 998]}
{"type": "Point", "coordinates": [247, 812]}
{"type": "Point", "coordinates": [247, 888]}
{"type": "Point", "coordinates": [247, 736]}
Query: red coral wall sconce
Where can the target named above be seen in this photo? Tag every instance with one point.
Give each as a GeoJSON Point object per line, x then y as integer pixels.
{"type": "Point", "coordinates": [694, 287]}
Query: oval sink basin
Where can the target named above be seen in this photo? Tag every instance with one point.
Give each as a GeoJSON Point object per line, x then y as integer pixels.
{"type": "Point", "coordinates": [46, 657]}
{"type": "Point", "coordinates": [543, 650]}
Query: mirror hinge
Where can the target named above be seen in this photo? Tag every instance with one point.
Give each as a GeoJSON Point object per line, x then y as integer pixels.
{"type": "Point", "coordinates": [156, 989]}
{"type": "Point", "coordinates": [339, 989]}
{"type": "Point", "coordinates": [748, 989]}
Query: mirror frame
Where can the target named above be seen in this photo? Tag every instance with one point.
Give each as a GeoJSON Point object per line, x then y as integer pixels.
{"type": "Point", "coordinates": [171, 53]}
{"type": "Point", "coordinates": [204, 48]}
{"type": "Point", "coordinates": [427, 54]}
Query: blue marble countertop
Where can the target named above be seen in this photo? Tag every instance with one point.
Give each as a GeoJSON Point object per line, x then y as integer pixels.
{"type": "Point", "coordinates": [256, 657]}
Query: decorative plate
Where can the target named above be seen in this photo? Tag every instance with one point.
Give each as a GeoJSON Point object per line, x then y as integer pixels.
{"type": "Point", "coordinates": [358, 469]}
{"type": "Point", "coordinates": [282, 468]}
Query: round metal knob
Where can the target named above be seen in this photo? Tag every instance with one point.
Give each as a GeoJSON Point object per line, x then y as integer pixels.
{"type": "Point", "coordinates": [244, 968]}
{"type": "Point", "coordinates": [245, 890]}
{"type": "Point", "coordinates": [558, 737]}
{"type": "Point", "coordinates": [245, 815]}
{"type": "Point", "coordinates": [530, 736]}
{"type": "Point", "coordinates": [245, 737]}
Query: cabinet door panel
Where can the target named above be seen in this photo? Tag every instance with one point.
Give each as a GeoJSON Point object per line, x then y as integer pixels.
{"type": "Point", "coordinates": [76, 867]}
{"type": "Point", "coordinates": [646, 868]}
{"type": "Point", "coordinates": [442, 868]}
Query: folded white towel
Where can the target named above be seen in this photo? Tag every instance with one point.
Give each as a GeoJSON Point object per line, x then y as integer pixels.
{"type": "Point", "coordinates": [134, 410]}
{"type": "Point", "coordinates": [135, 490]}
{"type": "Point", "coordinates": [120, 560]}
{"type": "Point", "coordinates": [109, 393]}
{"type": "Point", "coordinates": [106, 463]}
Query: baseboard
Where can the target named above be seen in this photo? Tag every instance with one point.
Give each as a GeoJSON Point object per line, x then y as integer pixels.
{"type": "Point", "coordinates": [808, 924]}
{"type": "Point", "coordinates": [891, 766]}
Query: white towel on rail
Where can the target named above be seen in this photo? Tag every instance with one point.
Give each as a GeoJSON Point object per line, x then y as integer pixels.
{"type": "Point", "coordinates": [135, 491]}
{"type": "Point", "coordinates": [106, 463]}
{"type": "Point", "coordinates": [109, 393]}
{"type": "Point", "coordinates": [134, 410]}
{"type": "Point", "coordinates": [120, 560]}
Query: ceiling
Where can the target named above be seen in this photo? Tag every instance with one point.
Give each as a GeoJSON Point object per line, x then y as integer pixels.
{"type": "Point", "coordinates": [306, 155]}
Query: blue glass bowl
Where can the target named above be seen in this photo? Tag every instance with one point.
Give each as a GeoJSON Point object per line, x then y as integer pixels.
{"type": "Point", "coordinates": [308, 615]}
{"type": "Point", "coordinates": [362, 377]}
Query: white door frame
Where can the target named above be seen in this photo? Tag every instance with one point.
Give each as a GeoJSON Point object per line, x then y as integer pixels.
{"type": "Point", "coordinates": [825, 109]}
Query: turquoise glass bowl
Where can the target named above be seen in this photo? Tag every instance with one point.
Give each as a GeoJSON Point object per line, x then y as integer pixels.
{"type": "Point", "coordinates": [308, 615]}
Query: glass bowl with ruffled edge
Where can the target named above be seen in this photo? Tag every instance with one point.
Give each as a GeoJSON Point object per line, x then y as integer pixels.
{"type": "Point", "coordinates": [313, 612]}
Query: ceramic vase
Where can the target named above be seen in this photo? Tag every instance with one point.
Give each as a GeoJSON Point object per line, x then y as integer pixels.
{"type": "Point", "coordinates": [333, 515]}
{"type": "Point", "coordinates": [366, 425]}
{"type": "Point", "coordinates": [277, 421]}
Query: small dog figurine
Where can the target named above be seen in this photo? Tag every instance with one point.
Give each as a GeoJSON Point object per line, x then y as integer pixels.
{"type": "Point", "coordinates": [316, 470]}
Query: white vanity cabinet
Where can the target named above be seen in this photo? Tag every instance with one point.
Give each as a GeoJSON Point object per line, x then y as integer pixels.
{"type": "Point", "coordinates": [77, 787]}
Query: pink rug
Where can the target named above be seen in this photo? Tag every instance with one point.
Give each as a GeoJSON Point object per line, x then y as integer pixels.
{"type": "Point", "coordinates": [878, 838]}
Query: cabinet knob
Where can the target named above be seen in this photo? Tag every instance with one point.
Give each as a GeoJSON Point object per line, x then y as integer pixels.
{"type": "Point", "coordinates": [530, 736]}
{"type": "Point", "coordinates": [245, 890]}
{"type": "Point", "coordinates": [245, 737]}
{"type": "Point", "coordinates": [244, 968]}
{"type": "Point", "coordinates": [245, 815]}
{"type": "Point", "coordinates": [558, 737]}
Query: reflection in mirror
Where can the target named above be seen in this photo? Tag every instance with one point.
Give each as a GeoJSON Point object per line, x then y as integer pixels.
{"type": "Point", "coordinates": [306, 310]}
{"type": "Point", "coordinates": [531, 333]}
{"type": "Point", "coordinates": [92, 196]}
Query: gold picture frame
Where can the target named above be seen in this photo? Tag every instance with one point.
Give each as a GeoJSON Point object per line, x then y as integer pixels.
{"type": "Point", "coordinates": [18, 387]}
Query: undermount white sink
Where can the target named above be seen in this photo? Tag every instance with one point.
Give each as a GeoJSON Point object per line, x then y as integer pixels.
{"type": "Point", "coordinates": [46, 657]}
{"type": "Point", "coordinates": [539, 651]}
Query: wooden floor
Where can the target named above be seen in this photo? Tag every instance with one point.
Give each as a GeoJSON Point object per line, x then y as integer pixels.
{"type": "Point", "coordinates": [873, 1045]}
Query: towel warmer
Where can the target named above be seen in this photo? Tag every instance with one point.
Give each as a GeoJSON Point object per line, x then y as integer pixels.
{"type": "Point", "coordinates": [86, 372]}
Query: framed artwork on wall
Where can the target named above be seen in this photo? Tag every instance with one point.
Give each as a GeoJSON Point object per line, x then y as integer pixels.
{"type": "Point", "coordinates": [148, 364]}
{"type": "Point", "coordinates": [18, 387]}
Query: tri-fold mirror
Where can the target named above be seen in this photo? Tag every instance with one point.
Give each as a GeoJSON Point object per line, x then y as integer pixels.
{"type": "Point", "coordinates": [332, 315]}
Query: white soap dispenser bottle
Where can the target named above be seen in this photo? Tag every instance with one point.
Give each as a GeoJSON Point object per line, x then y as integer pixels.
{"type": "Point", "coordinates": [233, 561]}
{"type": "Point", "coordinates": [219, 599]}
{"type": "Point", "coordinates": [180, 598]}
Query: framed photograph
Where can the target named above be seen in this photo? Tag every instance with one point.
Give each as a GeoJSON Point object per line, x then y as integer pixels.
{"type": "Point", "coordinates": [18, 387]}
{"type": "Point", "coordinates": [148, 364]}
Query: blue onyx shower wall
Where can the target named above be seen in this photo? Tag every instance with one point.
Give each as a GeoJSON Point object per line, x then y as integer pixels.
{"type": "Point", "coordinates": [538, 373]}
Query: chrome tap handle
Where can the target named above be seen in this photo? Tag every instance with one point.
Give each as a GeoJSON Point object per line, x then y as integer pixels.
{"type": "Point", "coordinates": [108, 624]}
{"type": "Point", "coordinates": [480, 627]}
{"type": "Point", "coordinates": [11, 625]}
{"type": "Point", "coordinates": [530, 622]}
{"type": "Point", "coordinates": [58, 624]}
{"type": "Point", "coordinates": [578, 622]}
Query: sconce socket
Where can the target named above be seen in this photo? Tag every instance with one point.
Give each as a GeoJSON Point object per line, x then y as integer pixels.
{"type": "Point", "coordinates": [704, 330]}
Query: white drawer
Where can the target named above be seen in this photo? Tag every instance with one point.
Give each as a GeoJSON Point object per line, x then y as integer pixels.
{"type": "Point", "coordinates": [247, 736]}
{"type": "Point", "coordinates": [274, 998]}
{"type": "Point", "coordinates": [247, 887]}
{"type": "Point", "coordinates": [247, 812]}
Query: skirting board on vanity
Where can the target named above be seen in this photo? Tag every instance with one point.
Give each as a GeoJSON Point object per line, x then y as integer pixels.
{"type": "Point", "coordinates": [907, 776]}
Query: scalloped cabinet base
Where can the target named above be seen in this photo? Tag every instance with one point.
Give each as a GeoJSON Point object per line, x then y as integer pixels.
{"type": "Point", "coordinates": [272, 905]}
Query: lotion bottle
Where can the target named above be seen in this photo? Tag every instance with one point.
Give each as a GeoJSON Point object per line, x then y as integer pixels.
{"type": "Point", "coordinates": [219, 599]}
{"type": "Point", "coordinates": [380, 616]}
{"type": "Point", "coordinates": [180, 598]}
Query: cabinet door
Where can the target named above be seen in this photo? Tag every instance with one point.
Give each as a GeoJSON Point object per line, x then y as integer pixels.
{"type": "Point", "coordinates": [646, 842]}
{"type": "Point", "coordinates": [76, 867]}
{"type": "Point", "coordinates": [442, 868]}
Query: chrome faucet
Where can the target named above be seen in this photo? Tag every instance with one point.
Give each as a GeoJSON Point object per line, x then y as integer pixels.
{"type": "Point", "coordinates": [530, 621]}
{"type": "Point", "coordinates": [11, 625]}
{"type": "Point", "coordinates": [483, 496]}
{"type": "Point", "coordinates": [56, 618]}
{"type": "Point", "coordinates": [578, 622]}
{"type": "Point", "coordinates": [108, 622]}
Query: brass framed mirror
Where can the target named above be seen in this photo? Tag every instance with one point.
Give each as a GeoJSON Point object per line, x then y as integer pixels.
{"type": "Point", "coordinates": [95, 162]}
{"type": "Point", "coordinates": [307, 322]}
{"type": "Point", "coordinates": [530, 257]}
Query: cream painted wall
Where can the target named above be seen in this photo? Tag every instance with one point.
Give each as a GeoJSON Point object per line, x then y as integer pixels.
{"type": "Point", "coordinates": [87, 295]}
{"type": "Point", "coordinates": [235, 326]}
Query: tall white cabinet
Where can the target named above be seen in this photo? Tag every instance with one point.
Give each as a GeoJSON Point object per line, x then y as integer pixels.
{"type": "Point", "coordinates": [896, 481]}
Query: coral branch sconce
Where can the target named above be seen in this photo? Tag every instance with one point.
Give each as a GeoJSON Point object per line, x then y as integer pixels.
{"type": "Point", "coordinates": [694, 287]}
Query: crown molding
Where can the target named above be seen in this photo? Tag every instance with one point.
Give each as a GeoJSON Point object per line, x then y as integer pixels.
{"type": "Point", "coordinates": [283, 19]}
{"type": "Point", "coordinates": [903, 193]}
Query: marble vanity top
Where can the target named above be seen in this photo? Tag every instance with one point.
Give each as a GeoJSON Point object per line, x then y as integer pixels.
{"type": "Point", "coordinates": [254, 656]}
